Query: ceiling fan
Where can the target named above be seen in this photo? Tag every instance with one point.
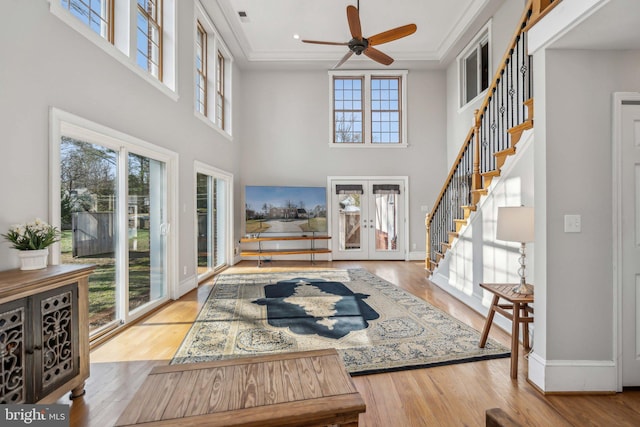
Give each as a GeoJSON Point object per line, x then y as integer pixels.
{"type": "Point", "coordinates": [360, 45]}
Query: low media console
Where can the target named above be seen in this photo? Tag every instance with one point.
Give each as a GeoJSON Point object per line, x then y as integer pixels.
{"type": "Point", "coordinates": [265, 246]}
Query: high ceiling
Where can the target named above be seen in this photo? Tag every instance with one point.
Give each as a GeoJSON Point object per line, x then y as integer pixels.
{"type": "Point", "coordinates": [265, 36]}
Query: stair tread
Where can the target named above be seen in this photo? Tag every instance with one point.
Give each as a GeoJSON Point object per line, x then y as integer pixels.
{"type": "Point", "coordinates": [527, 124]}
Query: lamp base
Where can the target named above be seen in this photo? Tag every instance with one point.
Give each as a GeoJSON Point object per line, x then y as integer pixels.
{"type": "Point", "coordinates": [523, 289]}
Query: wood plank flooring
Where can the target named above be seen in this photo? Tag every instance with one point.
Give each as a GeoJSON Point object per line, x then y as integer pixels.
{"type": "Point", "coordinates": [455, 395]}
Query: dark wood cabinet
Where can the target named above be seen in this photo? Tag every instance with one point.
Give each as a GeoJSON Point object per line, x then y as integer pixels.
{"type": "Point", "coordinates": [44, 333]}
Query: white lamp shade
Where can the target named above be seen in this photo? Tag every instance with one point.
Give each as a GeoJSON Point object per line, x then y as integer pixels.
{"type": "Point", "coordinates": [515, 224]}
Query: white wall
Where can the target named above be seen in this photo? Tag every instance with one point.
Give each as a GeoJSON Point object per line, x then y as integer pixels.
{"type": "Point", "coordinates": [573, 138]}
{"type": "Point", "coordinates": [45, 63]}
{"type": "Point", "coordinates": [286, 138]}
{"type": "Point", "coordinates": [460, 120]}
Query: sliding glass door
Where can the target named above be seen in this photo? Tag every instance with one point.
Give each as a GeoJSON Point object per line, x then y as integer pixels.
{"type": "Point", "coordinates": [113, 210]}
{"type": "Point", "coordinates": [212, 218]}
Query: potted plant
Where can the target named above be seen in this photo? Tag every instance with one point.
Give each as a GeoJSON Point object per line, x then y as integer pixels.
{"type": "Point", "coordinates": [32, 240]}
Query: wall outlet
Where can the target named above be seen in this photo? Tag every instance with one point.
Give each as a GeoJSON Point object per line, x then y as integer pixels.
{"type": "Point", "coordinates": [413, 246]}
{"type": "Point", "coordinates": [184, 270]}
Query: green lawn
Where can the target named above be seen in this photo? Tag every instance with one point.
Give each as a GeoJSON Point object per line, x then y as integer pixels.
{"type": "Point", "coordinates": [102, 282]}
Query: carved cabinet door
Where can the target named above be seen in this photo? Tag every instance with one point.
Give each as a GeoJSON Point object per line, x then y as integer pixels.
{"type": "Point", "coordinates": [55, 349]}
{"type": "Point", "coordinates": [14, 367]}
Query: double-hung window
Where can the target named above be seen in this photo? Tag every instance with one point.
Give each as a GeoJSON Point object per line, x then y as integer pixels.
{"type": "Point", "coordinates": [95, 14]}
{"type": "Point", "coordinates": [473, 64]}
{"type": "Point", "coordinates": [213, 65]}
{"type": "Point", "coordinates": [149, 37]}
{"type": "Point", "coordinates": [141, 34]}
{"type": "Point", "coordinates": [201, 69]}
{"type": "Point", "coordinates": [368, 108]}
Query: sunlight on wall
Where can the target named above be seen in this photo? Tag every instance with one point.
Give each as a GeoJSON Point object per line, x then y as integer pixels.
{"type": "Point", "coordinates": [461, 266]}
{"type": "Point", "coordinates": [501, 258]}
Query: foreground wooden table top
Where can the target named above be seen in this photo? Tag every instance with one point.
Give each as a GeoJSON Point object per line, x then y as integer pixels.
{"type": "Point", "coordinates": [291, 389]}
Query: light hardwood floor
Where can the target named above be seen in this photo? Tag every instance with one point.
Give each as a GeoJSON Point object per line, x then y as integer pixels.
{"type": "Point", "coordinates": [454, 395]}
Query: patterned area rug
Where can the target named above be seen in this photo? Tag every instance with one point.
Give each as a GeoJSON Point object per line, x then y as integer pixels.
{"type": "Point", "coordinates": [374, 325]}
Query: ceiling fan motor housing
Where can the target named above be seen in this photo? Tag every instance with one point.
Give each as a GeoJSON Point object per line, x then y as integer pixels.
{"type": "Point", "coordinates": [358, 46]}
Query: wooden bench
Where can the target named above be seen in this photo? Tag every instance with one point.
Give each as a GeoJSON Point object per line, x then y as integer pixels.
{"type": "Point", "coordinates": [291, 389]}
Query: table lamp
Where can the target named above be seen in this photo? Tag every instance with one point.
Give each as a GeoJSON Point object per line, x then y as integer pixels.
{"type": "Point", "coordinates": [515, 224]}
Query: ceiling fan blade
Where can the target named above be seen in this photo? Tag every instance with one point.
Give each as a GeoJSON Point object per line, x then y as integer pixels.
{"type": "Point", "coordinates": [353, 17]}
{"type": "Point", "coordinates": [378, 56]}
{"type": "Point", "coordinates": [344, 59]}
{"type": "Point", "coordinates": [321, 42]}
{"type": "Point", "coordinates": [392, 35]}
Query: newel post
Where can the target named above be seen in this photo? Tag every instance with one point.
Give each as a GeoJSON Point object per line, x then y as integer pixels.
{"type": "Point", "coordinates": [476, 178]}
{"type": "Point", "coordinates": [427, 259]}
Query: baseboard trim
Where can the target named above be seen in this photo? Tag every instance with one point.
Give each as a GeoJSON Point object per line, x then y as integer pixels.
{"type": "Point", "coordinates": [572, 376]}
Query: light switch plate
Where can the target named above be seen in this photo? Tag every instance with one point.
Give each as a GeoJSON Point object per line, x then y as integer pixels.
{"type": "Point", "coordinates": [572, 223]}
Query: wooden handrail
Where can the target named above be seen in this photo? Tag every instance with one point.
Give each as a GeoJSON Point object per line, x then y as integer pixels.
{"type": "Point", "coordinates": [534, 9]}
{"type": "Point", "coordinates": [487, 98]}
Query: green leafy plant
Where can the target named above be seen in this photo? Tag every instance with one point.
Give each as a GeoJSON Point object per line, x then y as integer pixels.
{"type": "Point", "coordinates": [32, 236]}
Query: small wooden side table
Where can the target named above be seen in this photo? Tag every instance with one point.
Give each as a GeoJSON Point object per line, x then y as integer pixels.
{"type": "Point", "coordinates": [517, 310]}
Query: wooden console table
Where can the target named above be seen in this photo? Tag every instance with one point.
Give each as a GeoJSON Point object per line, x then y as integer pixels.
{"type": "Point", "coordinates": [517, 310]}
{"type": "Point", "coordinates": [262, 251]}
{"type": "Point", "coordinates": [309, 388]}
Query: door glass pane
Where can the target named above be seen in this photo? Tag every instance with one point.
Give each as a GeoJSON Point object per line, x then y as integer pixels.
{"type": "Point", "coordinates": [146, 230]}
{"type": "Point", "coordinates": [386, 223]}
{"type": "Point", "coordinates": [204, 236]}
{"type": "Point", "coordinates": [349, 210]}
{"type": "Point", "coordinates": [88, 187]}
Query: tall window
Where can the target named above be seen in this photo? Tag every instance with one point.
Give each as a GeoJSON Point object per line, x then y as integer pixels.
{"type": "Point", "coordinates": [385, 110]}
{"type": "Point", "coordinates": [149, 36]}
{"type": "Point", "coordinates": [213, 75]}
{"type": "Point", "coordinates": [474, 68]}
{"type": "Point", "coordinates": [201, 69]}
{"type": "Point", "coordinates": [220, 70]}
{"type": "Point", "coordinates": [95, 14]}
{"type": "Point", "coordinates": [347, 110]}
{"type": "Point", "coordinates": [367, 108]}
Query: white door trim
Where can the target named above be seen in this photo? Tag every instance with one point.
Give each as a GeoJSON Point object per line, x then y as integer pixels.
{"type": "Point", "coordinates": [405, 181]}
{"type": "Point", "coordinates": [618, 99]}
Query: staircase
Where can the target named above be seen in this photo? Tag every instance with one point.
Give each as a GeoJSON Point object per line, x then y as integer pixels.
{"type": "Point", "coordinates": [506, 112]}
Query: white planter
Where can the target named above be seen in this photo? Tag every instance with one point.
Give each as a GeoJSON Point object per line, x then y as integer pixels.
{"type": "Point", "coordinates": [33, 260]}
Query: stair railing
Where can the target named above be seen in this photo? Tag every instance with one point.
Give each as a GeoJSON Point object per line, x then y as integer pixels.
{"type": "Point", "coordinates": [506, 106]}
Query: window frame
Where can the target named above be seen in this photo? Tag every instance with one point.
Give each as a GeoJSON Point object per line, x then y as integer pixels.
{"type": "Point", "coordinates": [367, 76]}
{"type": "Point", "coordinates": [153, 22]}
{"type": "Point", "coordinates": [202, 72]}
{"type": "Point", "coordinates": [483, 37]}
{"type": "Point", "coordinates": [361, 111]}
{"type": "Point", "coordinates": [216, 49]}
{"type": "Point", "coordinates": [122, 47]}
{"type": "Point", "coordinates": [108, 20]}
{"type": "Point", "coordinates": [219, 117]}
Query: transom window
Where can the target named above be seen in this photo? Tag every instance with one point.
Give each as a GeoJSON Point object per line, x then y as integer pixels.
{"type": "Point", "coordinates": [149, 40]}
{"type": "Point", "coordinates": [95, 14]}
{"type": "Point", "coordinates": [367, 108]}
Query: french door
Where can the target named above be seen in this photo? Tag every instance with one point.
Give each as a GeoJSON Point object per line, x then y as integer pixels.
{"type": "Point", "coordinates": [113, 204]}
{"type": "Point", "coordinates": [213, 219]}
{"type": "Point", "coordinates": [368, 218]}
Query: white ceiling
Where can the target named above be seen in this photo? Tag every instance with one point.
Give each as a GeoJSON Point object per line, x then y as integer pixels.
{"type": "Point", "coordinates": [265, 36]}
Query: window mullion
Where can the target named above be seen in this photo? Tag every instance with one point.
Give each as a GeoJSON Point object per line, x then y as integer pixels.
{"type": "Point", "coordinates": [366, 105]}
